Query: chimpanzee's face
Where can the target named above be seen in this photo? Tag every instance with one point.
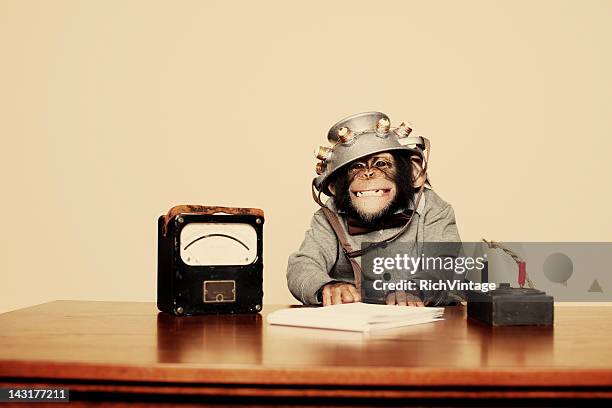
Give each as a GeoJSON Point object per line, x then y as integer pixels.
{"type": "Point", "coordinates": [372, 185]}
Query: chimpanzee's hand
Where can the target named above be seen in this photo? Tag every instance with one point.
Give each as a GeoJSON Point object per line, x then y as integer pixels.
{"type": "Point", "coordinates": [401, 298]}
{"type": "Point", "coordinates": [339, 292]}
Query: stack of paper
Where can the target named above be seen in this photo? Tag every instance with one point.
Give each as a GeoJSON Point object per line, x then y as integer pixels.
{"type": "Point", "coordinates": [361, 317]}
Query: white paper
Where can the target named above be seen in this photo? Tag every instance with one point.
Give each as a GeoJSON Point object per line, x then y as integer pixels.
{"type": "Point", "coordinates": [360, 317]}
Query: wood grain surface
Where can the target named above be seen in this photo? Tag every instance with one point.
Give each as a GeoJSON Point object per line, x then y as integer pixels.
{"type": "Point", "coordinates": [130, 347]}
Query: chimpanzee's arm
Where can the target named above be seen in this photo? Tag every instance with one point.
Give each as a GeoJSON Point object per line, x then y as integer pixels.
{"type": "Point", "coordinates": [308, 268]}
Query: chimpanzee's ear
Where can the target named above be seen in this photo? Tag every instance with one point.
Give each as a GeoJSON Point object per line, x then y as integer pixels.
{"type": "Point", "coordinates": [418, 175]}
{"type": "Point", "coordinates": [332, 188]}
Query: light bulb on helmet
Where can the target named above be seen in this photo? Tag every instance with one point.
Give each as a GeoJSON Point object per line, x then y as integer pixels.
{"type": "Point", "coordinates": [320, 167]}
{"type": "Point", "coordinates": [382, 127]}
{"type": "Point", "coordinates": [403, 130]}
{"type": "Point", "coordinates": [345, 134]}
{"type": "Point", "coordinates": [323, 152]}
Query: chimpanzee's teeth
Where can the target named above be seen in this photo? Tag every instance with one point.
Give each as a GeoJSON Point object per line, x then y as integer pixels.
{"type": "Point", "coordinates": [370, 193]}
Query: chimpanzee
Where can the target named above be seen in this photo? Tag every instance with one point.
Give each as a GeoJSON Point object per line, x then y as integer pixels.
{"type": "Point", "coordinates": [376, 179]}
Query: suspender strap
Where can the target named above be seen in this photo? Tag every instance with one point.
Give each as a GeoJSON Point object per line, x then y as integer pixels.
{"type": "Point", "coordinates": [335, 223]}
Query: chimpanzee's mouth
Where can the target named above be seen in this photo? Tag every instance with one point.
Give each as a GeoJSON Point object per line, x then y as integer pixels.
{"type": "Point", "coordinates": [372, 193]}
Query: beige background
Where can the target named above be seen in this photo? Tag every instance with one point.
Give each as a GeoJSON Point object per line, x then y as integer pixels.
{"type": "Point", "coordinates": [113, 111]}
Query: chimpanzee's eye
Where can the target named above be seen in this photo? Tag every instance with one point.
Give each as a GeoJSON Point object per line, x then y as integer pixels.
{"type": "Point", "coordinates": [358, 166]}
{"type": "Point", "coordinates": [381, 164]}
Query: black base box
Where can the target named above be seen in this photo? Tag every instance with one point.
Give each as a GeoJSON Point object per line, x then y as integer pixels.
{"type": "Point", "coordinates": [508, 306]}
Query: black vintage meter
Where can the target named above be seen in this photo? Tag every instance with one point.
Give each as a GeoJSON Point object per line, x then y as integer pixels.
{"type": "Point", "coordinates": [210, 260]}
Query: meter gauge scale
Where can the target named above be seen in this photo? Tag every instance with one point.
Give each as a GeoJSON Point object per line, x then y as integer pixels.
{"type": "Point", "coordinates": [218, 244]}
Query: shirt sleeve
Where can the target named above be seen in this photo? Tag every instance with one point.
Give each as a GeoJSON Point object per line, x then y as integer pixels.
{"type": "Point", "coordinates": [442, 227]}
{"type": "Point", "coordinates": [308, 268]}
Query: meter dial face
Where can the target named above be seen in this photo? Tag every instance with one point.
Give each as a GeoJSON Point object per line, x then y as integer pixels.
{"type": "Point", "coordinates": [211, 244]}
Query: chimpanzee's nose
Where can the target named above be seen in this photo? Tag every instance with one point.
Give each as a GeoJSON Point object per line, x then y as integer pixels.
{"type": "Point", "coordinates": [368, 173]}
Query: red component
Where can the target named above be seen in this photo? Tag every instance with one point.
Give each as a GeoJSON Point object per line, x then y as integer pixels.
{"type": "Point", "coordinates": [522, 273]}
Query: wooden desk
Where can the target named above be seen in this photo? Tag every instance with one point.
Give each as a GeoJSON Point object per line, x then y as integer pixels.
{"type": "Point", "coordinates": [127, 351]}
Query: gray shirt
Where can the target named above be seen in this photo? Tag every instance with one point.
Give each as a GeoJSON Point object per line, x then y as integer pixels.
{"type": "Point", "coordinates": [320, 259]}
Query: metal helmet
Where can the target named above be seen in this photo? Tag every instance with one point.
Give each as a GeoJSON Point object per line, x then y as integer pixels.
{"type": "Point", "coordinates": [361, 135]}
